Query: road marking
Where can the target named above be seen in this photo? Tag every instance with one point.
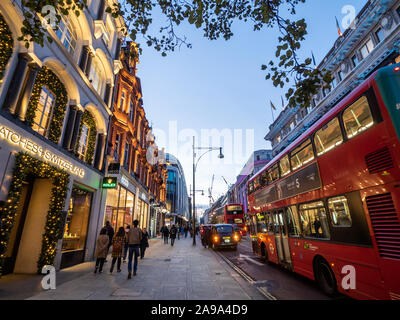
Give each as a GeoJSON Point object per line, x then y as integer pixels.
{"type": "Point", "coordinates": [249, 279]}
{"type": "Point", "coordinates": [243, 256]}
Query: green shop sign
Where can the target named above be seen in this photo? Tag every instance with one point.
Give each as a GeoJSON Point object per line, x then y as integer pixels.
{"type": "Point", "coordinates": [109, 183]}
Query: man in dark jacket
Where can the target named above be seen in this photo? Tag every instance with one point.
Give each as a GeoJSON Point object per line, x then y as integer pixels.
{"type": "Point", "coordinates": [134, 239]}
{"type": "Point", "coordinates": [173, 233]}
{"type": "Point", "coordinates": [166, 234]}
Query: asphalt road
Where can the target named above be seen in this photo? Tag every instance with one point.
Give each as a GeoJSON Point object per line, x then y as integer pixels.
{"type": "Point", "coordinates": [277, 281]}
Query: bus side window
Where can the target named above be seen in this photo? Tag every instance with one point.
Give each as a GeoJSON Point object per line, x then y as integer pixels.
{"type": "Point", "coordinates": [339, 211]}
{"type": "Point", "coordinates": [293, 221]}
{"type": "Point", "coordinates": [328, 137]}
{"type": "Point", "coordinates": [270, 222]}
{"type": "Point", "coordinates": [302, 154]}
{"type": "Point", "coordinates": [284, 165]}
{"type": "Point", "coordinates": [357, 117]}
{"type": "Point", "coordinates": [314, 220]}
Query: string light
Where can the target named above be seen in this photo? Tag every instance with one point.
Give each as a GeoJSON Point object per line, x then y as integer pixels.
{"type": "Point", "coordinates": [6, 45]}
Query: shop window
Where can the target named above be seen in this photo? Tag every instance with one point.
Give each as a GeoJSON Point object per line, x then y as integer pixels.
{"type": "Point", "coordinates": [302, 155]}
{"type": "Point", "coordinates": [67, 34]}
{"type": "Point", "coordinates": [112, 206]}
{"type": "Point", "coordinates": [328, 137]}
{"type": "Point", "coordinates": [83, 140]}
{"type": "Point", "coordinates": [293, 221]}
{"type": "Point", "coordinates": [284, 166]}
{"type": "Point", "coordinates": [121, 208]}
{"type": "Point", "coordinates": [367, 48]}
{"type": "Point", "coordinates": [273, 173]}
{"type": "Point", "coordinates": [44, 112]}
{"type": "Point", "coordinates": [380, 35]}
{"type": "Point", "coordinates": [357, 118]}
{"type": "Point", "coordinates": [77, 222]}
{"type": "Point", "coordinates": [339, 211]}
{"type": "Point", "coordinates": [314, 221]}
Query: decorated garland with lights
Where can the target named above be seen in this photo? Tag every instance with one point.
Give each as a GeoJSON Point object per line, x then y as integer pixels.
{"type": "Point", "coordinates": [88, 120]}
{"type": "Point", "coordinates": [25, 166]}
{"type": "Point", "coordinates": [6, 45]}
{"type": "Point", "coordinates": [47, 78]}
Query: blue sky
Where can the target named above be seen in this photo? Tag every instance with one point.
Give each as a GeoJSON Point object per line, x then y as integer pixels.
{"type": "Point", "coordinates": [219, 85]}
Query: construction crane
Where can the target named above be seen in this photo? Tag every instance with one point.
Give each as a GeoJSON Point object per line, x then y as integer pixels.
{"type": "Point", "coordinates": [210, 191]}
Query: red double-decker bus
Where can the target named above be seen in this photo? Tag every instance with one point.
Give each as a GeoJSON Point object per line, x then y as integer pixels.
{"type": "Point", "coordinates": [232, 214]}
{"type": "Point", "coordinates": [327, 207]}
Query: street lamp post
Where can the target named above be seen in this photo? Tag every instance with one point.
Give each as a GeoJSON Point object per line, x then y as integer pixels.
{"type": "Point", "coordinates": [209, 149]}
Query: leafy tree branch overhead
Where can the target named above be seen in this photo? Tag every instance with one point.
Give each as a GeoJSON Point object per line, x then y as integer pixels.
{"type": "Point", "coordinates": [215, 18]}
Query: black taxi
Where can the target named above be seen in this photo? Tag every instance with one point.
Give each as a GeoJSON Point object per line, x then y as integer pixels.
{"type": "Point", "coordinates": [224, 236]}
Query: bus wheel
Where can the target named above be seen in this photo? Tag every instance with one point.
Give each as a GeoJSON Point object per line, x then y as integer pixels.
{"type": "Point", "coordinates": [325, 277]}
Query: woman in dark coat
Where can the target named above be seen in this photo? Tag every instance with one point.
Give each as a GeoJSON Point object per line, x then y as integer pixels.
{"type": "Point", "coordinates": [118, 243]}
{"type": "Point", "coordinates": [144, 243]}
{"type": "Point", "coordinates": [166, 234]}
{"type": "Point", "coordinates": [101, 250]}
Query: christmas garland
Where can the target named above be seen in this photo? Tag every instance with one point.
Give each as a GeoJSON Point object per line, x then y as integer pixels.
{"type": "Point", "coordinates": [46, 77]}
{"type": "Point", "coordinates": [6, 45]}
{"type": "Point", "coordinates": [25, 166]}
{"type": "Point", "coordinates": [88, 120]}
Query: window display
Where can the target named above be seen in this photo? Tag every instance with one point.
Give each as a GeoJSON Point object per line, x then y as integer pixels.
{"type": "Point", "coordinates": [75, 232]}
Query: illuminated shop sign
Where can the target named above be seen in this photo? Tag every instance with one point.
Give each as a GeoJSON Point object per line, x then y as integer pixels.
{"type": "Point", "coordinates": [109, 183]}
{"type": "Point", "coordinates": [25, 144]}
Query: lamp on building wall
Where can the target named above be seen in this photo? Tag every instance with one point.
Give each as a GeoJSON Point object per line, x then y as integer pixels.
{"type": "Point", "coordinates": [220, 156]}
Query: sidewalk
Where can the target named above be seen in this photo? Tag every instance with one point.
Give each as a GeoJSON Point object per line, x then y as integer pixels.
{"type": "Point", "coordinates": [181, 272]}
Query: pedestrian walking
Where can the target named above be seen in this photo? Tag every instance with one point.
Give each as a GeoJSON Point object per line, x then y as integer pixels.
{"type": "Point", "coordinates": [126, 245]}
{"type": "Point", "coordinates": [186, 231]}
{"type": "Point", "coordinates": [101, 250]}
{"type": "Point", "coordinates": [173, 233]}
{"type": "Point", "coordinates": [166, 235]}
{"type": "Point", "coordinates": [110, 233]}
{"type": "Point", "coordinates": [144, 243]}
{"type": "Point", "coordinates": [118, 242]}
{"type": "Point", "coordinates": [177, 232]}
{"type": "Point", "coordinates": [162, 232]}
{"type": "Point", "coordinates": [134, 238]}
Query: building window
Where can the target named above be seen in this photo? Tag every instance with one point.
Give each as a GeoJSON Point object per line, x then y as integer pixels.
{"type": "Point", "coordinates": [96, 76]}
{"type": "Point", "coordinates": [328, 137]}
{"type": "Point", "coordinates": [67, 34]}
{"type": "Point", "coordinates": [122, 101]}
{"type": "Point", "coordinates": [367, 49]}
{"type": "Point", "coordinates": [117, 146]}
{"type": "Point", "coordinates": [380, 35]}
{"type": "Point", "coordinates": [77, 220]}
{"type": "Point", "coordinates": [44, 112]}
{"type": "Point", "coordinates": [340, 75]}
{"type": "Point", "coordinates": [126, 154]}
{"type": "Point", "coordinates": [131, 111]}
{"type": "Point", "coordinates": [354, 59]}
{"type": "Point", "coordinates": [357, 118]}
{"type": "Point", "coordinates": [83, 142]}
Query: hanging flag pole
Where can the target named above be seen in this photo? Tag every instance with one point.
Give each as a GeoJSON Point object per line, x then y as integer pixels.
{"type": "Point", "coordinates": [313, 58]}
{"type": "Point", "coordinates": [283, 103]}
{"type": "Point", "coordinates": [338, 28]}
{"type": "Point", "coordinates": [272, 108]}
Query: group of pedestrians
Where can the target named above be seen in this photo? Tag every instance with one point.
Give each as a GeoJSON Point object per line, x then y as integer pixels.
{"type": "Point", "coordinates": [131, 242]}
{"type": "Point", "coordinates": [173, 232]}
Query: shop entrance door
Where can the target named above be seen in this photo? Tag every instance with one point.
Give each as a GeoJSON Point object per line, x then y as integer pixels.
{"type": "Point", "coordinates": [16, 232]}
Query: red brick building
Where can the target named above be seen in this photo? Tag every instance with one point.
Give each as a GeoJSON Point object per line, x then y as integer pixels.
{"type": "Point", "coordinates": [141, 183]}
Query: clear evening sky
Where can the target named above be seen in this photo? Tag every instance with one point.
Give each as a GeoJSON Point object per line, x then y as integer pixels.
{"type": "Point", "coordinates": [220, 85]}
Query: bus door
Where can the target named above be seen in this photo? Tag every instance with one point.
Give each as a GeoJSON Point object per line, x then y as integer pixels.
{"type": "Point", "coordinates": [281, 238]}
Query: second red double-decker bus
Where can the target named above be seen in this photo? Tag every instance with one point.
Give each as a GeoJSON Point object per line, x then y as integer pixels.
{"type": "Point", "coordinates": [232, 214]}
{"type": "Point", "coordinates": [328, 206]}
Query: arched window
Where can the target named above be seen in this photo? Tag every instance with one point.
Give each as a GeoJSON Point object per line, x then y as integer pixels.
{"type": "Point", "coordinates": [96, 76]}
{"type": "Point", "coordinates": [44, 112]}
{"type": "Point", "coordinates": [67, 34]}
{"type": "Point", "coordinates": [83, 142]}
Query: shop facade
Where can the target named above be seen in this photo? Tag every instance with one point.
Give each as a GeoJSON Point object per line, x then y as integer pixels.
{"type": "Point", "coordinates": [54, 113]}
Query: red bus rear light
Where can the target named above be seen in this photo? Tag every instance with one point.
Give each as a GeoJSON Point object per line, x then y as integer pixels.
{"type": "Point", "coordinates": [397, 69]}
